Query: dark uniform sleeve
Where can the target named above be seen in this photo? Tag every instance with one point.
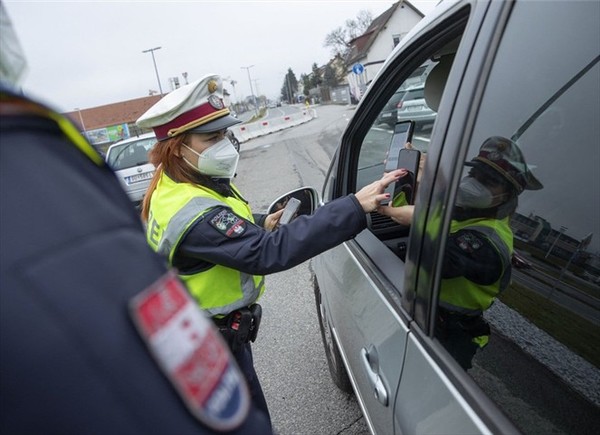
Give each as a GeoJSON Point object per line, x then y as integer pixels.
{"type": "Point", "coordinates": [224, 238]}
{"type": "Point", "coordinates": [470, 254]}
{"type": "Point", "coordinates": [259, 219]}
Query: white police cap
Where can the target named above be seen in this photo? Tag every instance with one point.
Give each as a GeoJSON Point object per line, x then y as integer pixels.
{"type": "Point", "coordinates": [194, 108]}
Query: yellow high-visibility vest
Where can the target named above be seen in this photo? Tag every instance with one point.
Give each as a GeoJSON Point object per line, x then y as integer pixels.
{"type": "Point", "coordinates": [174, 208]}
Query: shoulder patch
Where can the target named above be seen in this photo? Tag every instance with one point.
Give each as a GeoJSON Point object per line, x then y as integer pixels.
{"type": "Point", "coordinates": [191, 353]}
{"type": "Point", "coordinates": [228, 223]}
{"type": "Point", "coordinates": [468, 242]}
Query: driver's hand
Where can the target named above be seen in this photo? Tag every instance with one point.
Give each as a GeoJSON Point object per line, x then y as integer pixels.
{"type": "Point", "coordinates": [409, 146]}
{"type": "Point", "coordinates": [402, 215]}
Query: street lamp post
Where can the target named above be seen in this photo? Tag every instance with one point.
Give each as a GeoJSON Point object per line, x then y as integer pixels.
{"type": "Point", "coordinates": [247, 68]}
{"type": "Point", "coordinates": [151, 51]}
{"type": "Point", "coordinates": [82, 124]}
{"type": "Point", "coordinates": [562, 230]}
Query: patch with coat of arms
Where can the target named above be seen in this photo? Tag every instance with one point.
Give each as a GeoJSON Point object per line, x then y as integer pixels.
{"type": "Point", "coordinates": [191, 353]}
{"type": "Point", "coordinates": [228, 223]}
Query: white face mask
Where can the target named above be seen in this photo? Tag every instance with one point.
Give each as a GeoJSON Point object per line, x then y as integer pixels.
{"type": "Point", "coordinates": [473, 194]}
{"type": "Point", "coordinates": [219, 160]}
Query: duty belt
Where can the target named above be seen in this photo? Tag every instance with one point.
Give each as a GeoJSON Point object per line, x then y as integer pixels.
{"type": "Point", "coordinates": [240, 326]}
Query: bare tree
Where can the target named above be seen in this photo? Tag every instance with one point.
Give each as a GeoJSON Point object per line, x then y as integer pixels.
{"type": "Point", "coordinates": [339, 38]}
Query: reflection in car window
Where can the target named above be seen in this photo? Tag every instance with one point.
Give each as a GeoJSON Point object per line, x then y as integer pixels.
{"type": "Point", "coordinates": [547, 320]}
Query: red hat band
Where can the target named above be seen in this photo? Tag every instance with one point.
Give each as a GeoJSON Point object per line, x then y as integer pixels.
{"type": "Point", "coordinates": [188, 120]}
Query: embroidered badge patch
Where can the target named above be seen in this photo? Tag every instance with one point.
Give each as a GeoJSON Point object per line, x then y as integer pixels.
{"type": "Point", "coordinates": [468, 242]}
{"type": "Point", "coordinates": [227, 223]}
{"type": "Point", "coordinates": [191, 354]}
{"type": "Point", "coordinates": [215, 102]}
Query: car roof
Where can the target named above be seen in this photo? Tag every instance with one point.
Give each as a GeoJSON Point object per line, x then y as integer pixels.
{"type": "Point", "coordinates": [135, 138]}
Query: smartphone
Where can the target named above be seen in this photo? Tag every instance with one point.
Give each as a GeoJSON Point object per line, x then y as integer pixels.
{"type": "Point", "coordinates": [408, 159]}
{"type": "Point", "coordinates": [290, 210]}
{"type": "Point", "coordinates": [403, 132]}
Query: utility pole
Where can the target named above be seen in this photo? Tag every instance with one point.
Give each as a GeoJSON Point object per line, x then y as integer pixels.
{"type": "Point", "coordinates": [247, 68]}
{"type": "Point", "coordinates": [151, 51]}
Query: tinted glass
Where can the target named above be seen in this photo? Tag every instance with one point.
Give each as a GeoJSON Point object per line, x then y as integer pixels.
{"type": "Point", "coordinates": [130, 154]}
{"type": "Point", "coordinates": [541, 363]}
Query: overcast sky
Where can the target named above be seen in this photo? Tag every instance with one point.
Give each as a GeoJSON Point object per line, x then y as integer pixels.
{"type": "Point", "coordinates": [87, 54]}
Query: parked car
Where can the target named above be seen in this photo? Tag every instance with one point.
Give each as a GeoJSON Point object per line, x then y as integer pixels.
{"type": "Point", "coordinates": [389, 114]}
{"type": "Point", "coordinates": [408, 103]}
{"type": "Point", "coordinates": [377, 294]}
{"type": "Point", "coordinates": [234, 140]}
{"type": "Point", "coordinates": [129, 159]}
{"type": "Point", "coordinates": [414, 107]}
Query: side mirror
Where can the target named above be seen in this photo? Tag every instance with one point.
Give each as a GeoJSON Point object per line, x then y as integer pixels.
{"type": "Point", "coordinates": [308, 197]}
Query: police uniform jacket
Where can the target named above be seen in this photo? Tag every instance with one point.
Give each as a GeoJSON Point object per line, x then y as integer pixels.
{"type": "Point", "coordinates": [72, 256]}
{"type": "Point", "coordinates": [221, 240]}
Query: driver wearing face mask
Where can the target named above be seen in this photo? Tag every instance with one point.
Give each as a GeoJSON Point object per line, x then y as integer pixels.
{"type": "Point", "coordinates": [199, 220]}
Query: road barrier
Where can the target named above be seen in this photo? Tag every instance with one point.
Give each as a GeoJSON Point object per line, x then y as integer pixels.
{"type": "Point", "coordinates": [245, 132]}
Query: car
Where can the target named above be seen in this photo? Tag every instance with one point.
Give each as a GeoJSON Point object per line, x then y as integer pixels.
{"type": "Point", "coordinates": [129, 159]}
{"type": "Point", "coordinates": [389, 114]}
{"type": "Point", "coordinates": [414, 107]}
{"type": "Point", "coordinates": [520, 262]}
{"type": "Point", "coordinates": [234, 140]}
{"type": "Point", "coordinates": [408, 103]}
{"type": "Point", "coordinates": [501, 72]}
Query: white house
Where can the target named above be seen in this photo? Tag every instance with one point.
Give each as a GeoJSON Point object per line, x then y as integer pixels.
{"type": "Point", "coordinates": [369, 50]}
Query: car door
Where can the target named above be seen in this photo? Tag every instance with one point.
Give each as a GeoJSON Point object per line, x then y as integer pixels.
{"type": "Point", "coordinates": [539, 372]}
{"type": "Point", "coordinates": [365, 283]}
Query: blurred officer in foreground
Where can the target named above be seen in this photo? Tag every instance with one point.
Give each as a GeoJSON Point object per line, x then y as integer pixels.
{"type": "Point", "coordinates": [96, 335]}
{"type": "Point", "coordinates": [200, 221]}
{"type": "Point", "coordinates": [477, 262]}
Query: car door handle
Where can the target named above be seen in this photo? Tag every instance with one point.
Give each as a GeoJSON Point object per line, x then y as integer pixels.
{"type": "Point", "coordinates": [381, 393]}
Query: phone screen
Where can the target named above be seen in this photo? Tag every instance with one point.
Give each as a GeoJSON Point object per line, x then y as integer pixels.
{"type": "Point", "coordinates": [408, 159]}
{"type": "Point", "coordinates": [290, 210]}
{"type": "Point", "coordinates": [402, 134]}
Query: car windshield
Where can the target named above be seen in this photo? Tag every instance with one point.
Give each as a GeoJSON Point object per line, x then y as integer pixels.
{"type": "Point", "coordinates": [129, 154]}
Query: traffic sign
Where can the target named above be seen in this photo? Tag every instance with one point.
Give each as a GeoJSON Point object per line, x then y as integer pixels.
{"type": "Point", "coordinates": [358, 69]}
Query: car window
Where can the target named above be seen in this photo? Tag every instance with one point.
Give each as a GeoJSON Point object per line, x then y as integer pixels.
{"type": "Point", "coordinates": [540, 362]}
{"type": "Point", "coordinates": [400, 107]}
{"type": "Point", "coordinates": [130, 154]}
{"type": "Point", "coordinates": [376, 143]}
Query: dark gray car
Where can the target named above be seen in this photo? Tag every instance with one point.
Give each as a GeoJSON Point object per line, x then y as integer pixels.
{"type": "Point", "coordinates": [525, 70]}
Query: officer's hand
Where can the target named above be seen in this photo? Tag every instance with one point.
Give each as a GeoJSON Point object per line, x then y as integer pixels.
{"type": "Point", "coordinates": [371, 195]}
{"type": "Point", "coordinates": [402, 215]}
{"type": "Point", "coordinates": [272, 220]}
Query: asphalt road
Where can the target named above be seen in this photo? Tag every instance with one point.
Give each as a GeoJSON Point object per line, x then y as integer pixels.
{"type": "Point", "coordinates": [289, 355]}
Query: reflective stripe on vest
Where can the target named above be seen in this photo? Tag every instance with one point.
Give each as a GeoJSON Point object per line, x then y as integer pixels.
{"type": "Point", "coordinates": [174, 208]}
{"type": "Point", "coordinates": [466, 297]}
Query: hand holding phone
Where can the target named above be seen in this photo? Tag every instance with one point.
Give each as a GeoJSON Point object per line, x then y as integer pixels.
{"type": "Point", "coordinates": [291, 207]}
{"type": "Point", "coordinates": [408, 159]}
{"type": "Point", "coordinates": [402, 134]}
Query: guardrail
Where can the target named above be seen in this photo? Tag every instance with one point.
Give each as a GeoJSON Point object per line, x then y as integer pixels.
{"type": "Point", "coordinates": [245, 132]}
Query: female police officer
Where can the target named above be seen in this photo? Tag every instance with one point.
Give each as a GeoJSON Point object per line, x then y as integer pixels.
{"type": "Point", "coordinates": [198, 219]}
